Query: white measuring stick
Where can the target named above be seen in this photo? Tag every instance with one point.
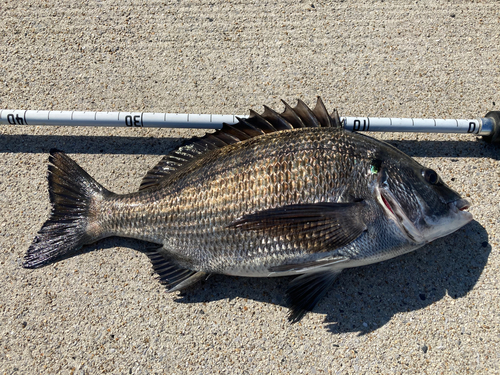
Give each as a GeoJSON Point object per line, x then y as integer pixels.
{"type": "Point", "coordinates": [114, 119]}
{"type": "Point", "coordinates": [482, 126]}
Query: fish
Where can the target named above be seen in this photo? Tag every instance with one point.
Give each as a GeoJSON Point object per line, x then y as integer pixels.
{"type": "Point", "coordinates": [276, 194]}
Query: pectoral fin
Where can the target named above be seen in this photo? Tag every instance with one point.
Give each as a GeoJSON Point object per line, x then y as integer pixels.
{"type": "Point", "coordinates": [322, 226]}
{"type": "Point", "coordinates": [305, 291]}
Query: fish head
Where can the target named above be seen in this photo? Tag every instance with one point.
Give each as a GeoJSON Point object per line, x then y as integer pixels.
{"type": "Point", "coordinates": [418, 200]}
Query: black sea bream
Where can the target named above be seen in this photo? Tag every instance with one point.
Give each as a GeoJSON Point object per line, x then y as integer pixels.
{"type": "Point", "coordinates": [273, 195]}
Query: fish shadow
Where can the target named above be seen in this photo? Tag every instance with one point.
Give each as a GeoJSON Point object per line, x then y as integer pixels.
{"type": "Point", "coordinates": [366, 298]}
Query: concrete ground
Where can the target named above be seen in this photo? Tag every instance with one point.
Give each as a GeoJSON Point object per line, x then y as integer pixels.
{"type": "Point", "coordinates": [432, 311]}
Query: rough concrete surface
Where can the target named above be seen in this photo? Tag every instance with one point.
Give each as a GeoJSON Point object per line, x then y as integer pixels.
{"type": "Point", "coordinates": [436, 310]}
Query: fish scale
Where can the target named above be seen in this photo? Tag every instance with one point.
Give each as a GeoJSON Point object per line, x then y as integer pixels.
{"type": "Point", "coordinates": [274, 195]}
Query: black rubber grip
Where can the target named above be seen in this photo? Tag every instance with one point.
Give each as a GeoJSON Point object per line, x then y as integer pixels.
{"type": "Point", "coordinates": [495, 134]}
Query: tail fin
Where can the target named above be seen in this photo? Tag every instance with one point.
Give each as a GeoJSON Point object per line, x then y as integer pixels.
{"type": "Point", "coordinates": [72, 193]}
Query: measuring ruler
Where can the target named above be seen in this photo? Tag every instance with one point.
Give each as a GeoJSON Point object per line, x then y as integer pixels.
{"type": "Point", "coordinates": [488, 126]}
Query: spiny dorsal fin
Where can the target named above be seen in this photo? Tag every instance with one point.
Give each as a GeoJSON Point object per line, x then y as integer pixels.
{"type": "Point", "coordinates": [301, 116]}
{"type": "Point", "coordinates": [323, 117]}
{"type": "Point", "coordinates": [261, 123]}
{"type": "Point", "coordinates": [292, 116]}
{"type": "Point", "coordinates": [306, 114]}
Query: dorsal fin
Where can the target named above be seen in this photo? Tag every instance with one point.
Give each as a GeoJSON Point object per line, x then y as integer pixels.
{"type": "Point", "coordinates": [278, 121]}
{"type": "Point", "coordinates": [306, 114]}
{"type": "Point", "coordinates": [322, 115]}
{"type": "Point", "coordinates": [301, 116]}
{"type": "Point", "coordinates": [261, 123]}
{"type": "Point", "coordinates": [292, 117]}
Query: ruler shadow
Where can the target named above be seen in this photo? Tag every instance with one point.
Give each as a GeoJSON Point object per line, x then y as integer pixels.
{"type": "Point", "coordinates": [87, 144]}
{"type": "Point", "coordinates": [159, 146]}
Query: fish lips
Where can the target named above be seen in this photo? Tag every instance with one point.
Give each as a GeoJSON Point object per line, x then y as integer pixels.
{"type": "Point", "coordinates": [461, 205]}
{"type": "Point", "coordinates": [458, 208]}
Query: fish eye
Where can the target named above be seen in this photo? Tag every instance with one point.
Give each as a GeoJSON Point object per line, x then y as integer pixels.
{"type": "Point", "coordinates": [430, 176]}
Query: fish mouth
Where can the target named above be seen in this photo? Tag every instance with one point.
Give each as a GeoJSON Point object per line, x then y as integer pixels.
{"type": "Point", "coordinates": [459, 208]}
{"type": "Point", "coordinates": [459, 205]}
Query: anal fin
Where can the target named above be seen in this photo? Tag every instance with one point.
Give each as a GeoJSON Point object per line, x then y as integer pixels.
{"type": "Point", "coordinates": [170, 274]}
{"type": "Point", "coordinates": [305, 291]}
